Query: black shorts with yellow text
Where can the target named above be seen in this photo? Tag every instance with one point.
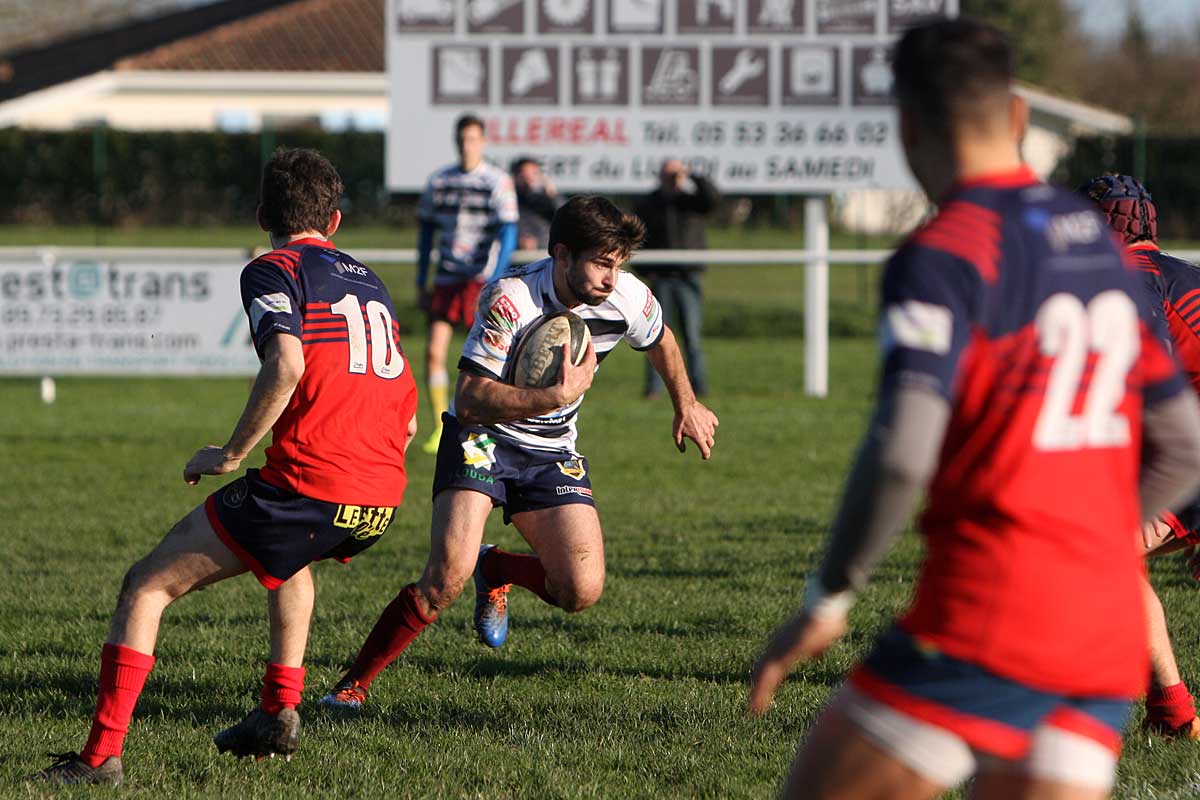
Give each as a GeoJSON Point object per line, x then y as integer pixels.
{"type": "Point", "coordinates": [277, 533]}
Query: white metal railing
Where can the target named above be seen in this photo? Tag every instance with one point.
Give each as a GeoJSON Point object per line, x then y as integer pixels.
{"type": "Point", "coordinates": [816, 258]}
{"type": "Point", "coordinates": [409, 255]}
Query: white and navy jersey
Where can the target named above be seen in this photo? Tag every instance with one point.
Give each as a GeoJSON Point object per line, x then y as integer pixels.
{"type": "Point", "coordinates": [510, 304]}
{"type": "Point", "coordinates": [467, 208]}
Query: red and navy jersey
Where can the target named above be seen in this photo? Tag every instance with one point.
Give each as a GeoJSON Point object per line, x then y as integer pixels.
{"type": "Point", "coordinates": [1015, 304]}
{"type": "Point", "coordinates": [341, 437]}
{"type": "Point", "coordinates": [1172, 288]}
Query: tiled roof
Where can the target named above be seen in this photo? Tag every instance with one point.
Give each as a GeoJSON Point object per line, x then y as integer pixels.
{"type": "Point", "coordinates": [35, 23]}
{"type": "Point", "coordinates": [306, 35]}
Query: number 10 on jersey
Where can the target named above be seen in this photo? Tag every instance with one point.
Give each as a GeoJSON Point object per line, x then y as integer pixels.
{"type": "Point", "coordinates": [386, 360]}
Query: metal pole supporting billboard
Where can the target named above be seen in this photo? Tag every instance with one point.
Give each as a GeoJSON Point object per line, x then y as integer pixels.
{"type": "Point", "coordinates": [816, 298]}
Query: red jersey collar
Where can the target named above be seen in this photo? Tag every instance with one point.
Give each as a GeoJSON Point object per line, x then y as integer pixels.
{"type": "Point", "coordinates": [1008, 179]}
{"type": "Point", "coordinates": [314, 241]}
{"type": "Point", "coordinates": [1142, 246]}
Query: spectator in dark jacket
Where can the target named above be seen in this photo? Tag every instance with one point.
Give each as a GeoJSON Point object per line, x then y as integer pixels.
{"type": "Point", "coordinates": [674, 214]}
{"type": "Point", "coordinates": [537, 200]}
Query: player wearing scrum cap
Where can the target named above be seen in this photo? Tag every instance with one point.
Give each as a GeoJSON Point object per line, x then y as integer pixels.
{"type": "Point", "coordinates": [1019, 381]}
{"type": "Point", "coordinates": [1171, 293]}
{"type": "Point", "coordinates": [515, 447]}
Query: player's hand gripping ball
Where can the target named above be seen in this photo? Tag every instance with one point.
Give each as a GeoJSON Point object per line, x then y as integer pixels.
{"type": "Point", "coordinates": [536, 362]}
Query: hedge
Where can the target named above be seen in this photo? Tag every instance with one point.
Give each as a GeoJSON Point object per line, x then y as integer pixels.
{"type": "Point", "coordinates": [112, 177]}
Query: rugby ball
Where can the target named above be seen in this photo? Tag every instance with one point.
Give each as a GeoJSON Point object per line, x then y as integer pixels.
{"type": "Point", "coordinates": [536, 361]}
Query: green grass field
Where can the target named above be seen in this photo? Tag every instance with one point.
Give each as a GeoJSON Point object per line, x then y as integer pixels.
{"type": "Point", "coordinates": [640, 697]}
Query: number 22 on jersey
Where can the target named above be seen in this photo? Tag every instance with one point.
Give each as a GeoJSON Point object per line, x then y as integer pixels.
{"type": "Point", "coordinates": [1068, 331]}
{"type": "Point", "coordinates": [386, 360]}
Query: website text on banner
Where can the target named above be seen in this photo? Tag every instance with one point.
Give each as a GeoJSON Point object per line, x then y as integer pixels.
{"type": "Point", "coordinates": [86, 317]}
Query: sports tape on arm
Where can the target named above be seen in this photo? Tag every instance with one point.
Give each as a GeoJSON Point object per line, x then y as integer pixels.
{"type": "Point", "coordinates": [894, 464]}
{"type": "Point", "coordinates": [1171, 466]}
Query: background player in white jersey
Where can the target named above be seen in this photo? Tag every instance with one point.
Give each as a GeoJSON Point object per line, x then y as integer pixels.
{"type": "Point", "coordinates": [515, 448]}
{"type": "Point", "coordinates": [471, 209]}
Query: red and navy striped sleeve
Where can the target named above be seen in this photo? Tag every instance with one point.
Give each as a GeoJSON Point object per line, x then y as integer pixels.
{"type": "Point", "coordinates": [931, 290]}
{"type": "Point", "coordinates": [272, 296]}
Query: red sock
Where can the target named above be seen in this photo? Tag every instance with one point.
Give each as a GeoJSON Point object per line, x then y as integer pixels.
{"type": "Point", "coordinates": [395, 630]}
{"type": "Point", "coordinates": [1172, 705]}
{"type": "Point", "coordinates": [123, 673]}
{"type": "Point", "coordinates": [282, 687]}
{"type": "Point", "coordinates": [525, 571]}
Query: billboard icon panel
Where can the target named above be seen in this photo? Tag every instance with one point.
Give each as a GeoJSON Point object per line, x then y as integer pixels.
{"type": "Point", "coordinates": [460, 75]}
{"type": "Point", "coordinates": [671, 76]}
{"type": "Point", "coordinates": [530, 75]}
{"type": "Point", "coordinates": [600, 76]}
{"type": "Point", "coordinates": [495, 16]}
{"type": "Point", "coordinates": [871, 76]}
{"type": "Point", "coordinates": [903, 14]}
{"type": "Point", "coordinates": [705, 16]}
{"type": "Point", "coordinates": [775, 16]}
{"type": "Point", "coordinates": [740, 76]}
{"type": "Point", "coordinates": [565, 16]}
{"type": "Point", "coordinates": [425, 16]}
{"type": "Point", "coordinates": [811, 76]}
{"type": "Point", "coordinates": [846, 16]}
{"type": "Point", "coordinates": [635, 16]}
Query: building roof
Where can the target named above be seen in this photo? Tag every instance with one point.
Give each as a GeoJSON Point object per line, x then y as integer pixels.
{"type": "Point", "coordinates": [1082, 117]}
{"type": "Point", "coordinates": [72, 52]}
{"type": "Point", "coordinates": [33, 23]}
{"type": "Point", "coordinates": [302, 36]}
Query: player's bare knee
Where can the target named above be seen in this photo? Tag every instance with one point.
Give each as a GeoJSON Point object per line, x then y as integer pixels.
{"type": "Point", "coordinates": [576, 596]}
{"type": "Point", "coordinates": [440, 593]}
{"type": "Point", "coordinates": [138, 587]}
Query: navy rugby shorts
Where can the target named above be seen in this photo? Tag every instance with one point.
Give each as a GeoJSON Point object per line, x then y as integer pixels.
{"type": "Point", "coordinates": [277, 533]}
{"type": "Point", "coordinates": [516, 478]}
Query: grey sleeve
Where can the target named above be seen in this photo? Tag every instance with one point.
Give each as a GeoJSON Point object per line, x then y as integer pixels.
{"type": "Point", "coordinates": [1171, 467]}
{"type": "Point", "coordinates": [895, 462]}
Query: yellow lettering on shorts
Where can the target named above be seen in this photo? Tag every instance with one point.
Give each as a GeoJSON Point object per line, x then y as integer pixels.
{"type": "Point", "coordinates": [366, 521]}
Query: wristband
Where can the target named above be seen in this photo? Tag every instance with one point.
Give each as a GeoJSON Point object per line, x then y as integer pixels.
{"type": "Point", "coordinates": [820, 603]}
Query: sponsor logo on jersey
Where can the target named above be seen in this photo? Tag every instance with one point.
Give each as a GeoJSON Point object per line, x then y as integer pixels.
{"type": "Point", "coordinates": [365, 522]}
{"type": "Point", "coordinates": [498, 342]}
{"type": "Point", "coordinates": [582, 490]}
{"type": "Point", "coordinates": [479, 450]}
{"type": "Point", "coordinates": [573, 468]}
{"type": "Point", "coordinates": [918, 326]}
{"type": "Point", "coordinates": [276, 303]}
{"type": "Point", "coordinates": [648, 308]}
{"type": "Point", "coordinates": [343, 268]}
{"type": "Point", "coordinates": [475, 475]}
{"type": "Point", "coordinates": [1064, 230]}
{"type": "Point", "coordinates": [503, 314]}
{"type": "Point", "coordinates": [235, 495]}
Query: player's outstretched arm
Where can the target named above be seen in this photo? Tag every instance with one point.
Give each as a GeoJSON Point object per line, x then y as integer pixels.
{"type": "Point", "coordinates": [1171, 469]}
{"type": "Point", "coordinates": [479, 400]}
{"type": "Point", "coordinates": [692, 419]}
{"type": "Point", "coordinates": [282, 367]}
{"type": "Point", "coordinates": [895, 462]}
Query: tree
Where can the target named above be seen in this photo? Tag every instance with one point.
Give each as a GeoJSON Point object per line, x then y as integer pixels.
{"type": "Point", "coordinates": [1047, 40]}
